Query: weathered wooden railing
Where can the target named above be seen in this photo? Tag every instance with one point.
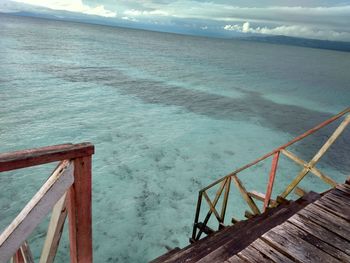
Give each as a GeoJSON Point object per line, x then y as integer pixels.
{"type": "Point", "coordinates": [224, 183]}
{"type": "Point", "coordinates": [69, 186]}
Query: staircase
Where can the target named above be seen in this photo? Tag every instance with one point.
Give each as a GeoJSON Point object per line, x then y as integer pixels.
{"type": "Point", "coordinates": [227, 242]}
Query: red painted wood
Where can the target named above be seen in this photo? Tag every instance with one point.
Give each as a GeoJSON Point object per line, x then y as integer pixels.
{"type": "Point", "coordinates": [79, 212]}
{"type": "Point", "coordinates": [271, 179]}
{"type": "Point", "coordinates": [37, 156]}
{"type": "Point", "coordinates": [18, 257]}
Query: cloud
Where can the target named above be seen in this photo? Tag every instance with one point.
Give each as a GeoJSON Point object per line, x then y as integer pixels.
{"type": "Point", "coordinates": [129, 18]}
{"type": "Point", "coordinates": [72, 6]}
{"type": "Point", "coordinates": [322, 19]}
{"type": "Point", "coordinates": [290, 30]}
{"type": "Point", "coordinates": [133, 12]}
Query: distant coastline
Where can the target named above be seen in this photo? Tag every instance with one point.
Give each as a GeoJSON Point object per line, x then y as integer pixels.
{"type": "Point", "coordinates": [302, 42]}
{"type": "Point", "coordinates": [271, 39]}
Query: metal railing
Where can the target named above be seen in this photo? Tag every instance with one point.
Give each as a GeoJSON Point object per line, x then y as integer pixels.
{"type": "Point", "coordinates": [66, 192]}
{"type": "Point", "coordinates": [224, 183]}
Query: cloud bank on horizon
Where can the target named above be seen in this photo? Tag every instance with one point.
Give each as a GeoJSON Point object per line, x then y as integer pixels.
{"type": "Point", "coordinates": [318, 19]}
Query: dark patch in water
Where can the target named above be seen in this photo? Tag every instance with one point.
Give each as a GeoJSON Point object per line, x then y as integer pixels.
{"type": "Point", "coordinates": [290, 119]}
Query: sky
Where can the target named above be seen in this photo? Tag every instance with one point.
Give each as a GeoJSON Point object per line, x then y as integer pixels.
{"type": "Point", "coordinates": [317, 19]}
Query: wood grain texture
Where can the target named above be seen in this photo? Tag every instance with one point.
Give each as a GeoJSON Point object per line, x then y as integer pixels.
{"type": "Point", "coordinates": [322, 233]}
{"type": "Point", "coordinates": [54, 232]}
{"type": "Point", "coordinates": [37, 156]}
{"type": "Point", "coordinates": [35, 210]}
{"type": "Point", "coordinates": [296, 247]}
{"type": "Point", "coordinates": [80, 213]}
{"type": "Point", "coordinates": [270, 252]}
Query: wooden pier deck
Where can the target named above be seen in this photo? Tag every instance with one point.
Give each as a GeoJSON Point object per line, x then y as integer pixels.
{"type": "Point", "coordinates": [314, 228]}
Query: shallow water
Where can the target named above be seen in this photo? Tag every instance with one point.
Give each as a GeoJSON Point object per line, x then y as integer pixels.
{"type": "Point", "coordinates": [168, 114]}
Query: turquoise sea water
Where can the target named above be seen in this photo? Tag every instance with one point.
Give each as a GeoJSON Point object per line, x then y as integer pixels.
{"type": "Point", "coordinates": [168, 114]}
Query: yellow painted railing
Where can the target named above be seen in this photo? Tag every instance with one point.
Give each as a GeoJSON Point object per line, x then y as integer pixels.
{"type": "Point", "coordinates": [250, 197]}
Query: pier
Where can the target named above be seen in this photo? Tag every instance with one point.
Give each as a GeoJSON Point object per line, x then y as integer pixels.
{"type": "Point", "coordinates": [277, 228]}
{"type": "Point", "coordinates": [315, 228]}
{"type": "Point", "coordinates": [273, 223]}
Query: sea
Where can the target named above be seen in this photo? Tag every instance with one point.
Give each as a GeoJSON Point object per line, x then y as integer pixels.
{"type": "Point", "coordinates": [168, 114]}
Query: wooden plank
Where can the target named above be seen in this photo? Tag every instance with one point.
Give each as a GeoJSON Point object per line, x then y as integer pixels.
{"type": "Point", "coordinates": [344, 188]}
{"type": "Point", "coordinates": [317, 242]}
{"type": "Point", "coordinates": [270, 252]}
{"type": "Point", "coordinates": [18, 257]}
{"type": "Point", "coordinates": [254, 229]}
{"type": "Point", "coordinates": [295, 247]}
{"type": "Point", "coordinates": [271, 180]}
{"type": "Point", "coordinates": [338, 196]}
{"type": "Point", "coordinates": [330, 221]}
{"type": "Point", "coordinates": [165, 256]}
{"type": "Point", "coordinates": [235, 259]}
{"type": "Point", "coordinates": [322, 233]}
{"type": "Point", "coordinates": [338, 192]}
{"type": "Point", "coordinates": [336, 208]}
{"type": "Point", "coordinates": [54, 232]}
{"type": "Point", "coordinates": [338, 131]}
{"type": "Point", "coordinates": [79, 212]}
{"type": "Point", "coordinates": [26, 253]}
{"type": "Point", "coordinates": [299, 191]}
{"type": "Point", "coordinates": [27, 158]}
{"type": "Point", "coordinates": [256, 195]}
{"type": "Point", "coordinates": [336, 199]}
{"type": "Point", "coordinates": [216, 199]}
{"type": "Point", "coordinates": [211, 207]}
{"type": "Point", "coordinates": [196, 218]}
{"type": "Point", "coordinates": [254, 255]}
{"type": "Point", "coordinates": [261, 197]}
{"type": "Point", "coordinates": [224, 202]}
{"type": "Point", "coordinates": [295, 182]}
{"type": "Point", "coordinates": [314, 170]}
{"type": "Point", "coordinates": [317, 156]}
{"type": "Point", "coordinates": [245, 195]}
{"type": "Point", "coordinates": [37, 208]}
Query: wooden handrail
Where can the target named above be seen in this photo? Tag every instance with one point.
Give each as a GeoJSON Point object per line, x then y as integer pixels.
{"type": "Point", "coordinates": [307, 166]}
{"type": "Point", "coordinates": [37, 156]}
{"type": "Point", "coordinates": [74, 192]}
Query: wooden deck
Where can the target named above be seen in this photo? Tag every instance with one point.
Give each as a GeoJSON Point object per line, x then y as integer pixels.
{"type": "Point", "coordinates": [315, 228]}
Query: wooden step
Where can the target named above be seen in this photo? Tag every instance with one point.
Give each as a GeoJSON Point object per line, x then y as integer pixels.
{"type": "Point", "coordinates": [163, 257]}
{"type": "Point", "coordinates": [225, 243]}
{"type": "Point", "coordinates": [245, 237]}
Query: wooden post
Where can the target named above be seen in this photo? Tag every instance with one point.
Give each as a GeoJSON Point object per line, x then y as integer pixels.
{"type": "Point", "coordinates": [196, 218]}
{"type": "Point", "coordinates": [271, 180]}
{"type": "Point", "coordinates": [79, 212]}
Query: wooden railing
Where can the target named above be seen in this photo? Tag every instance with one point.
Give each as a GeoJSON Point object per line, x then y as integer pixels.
{"type": "Point", "coordinates": [66, 191]}
{"type": "Point", "coordinates": [224, 183]}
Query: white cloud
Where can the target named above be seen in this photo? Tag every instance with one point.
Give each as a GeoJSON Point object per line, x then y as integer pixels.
{"type": "Point", "coordinates": [72, 6]}
{"type": "Point", "coordinates": [130, 18]}
{"type": "Point", "coordinates": [133, 12]}
{"type": "Point", "coordinates": [291, 30]}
